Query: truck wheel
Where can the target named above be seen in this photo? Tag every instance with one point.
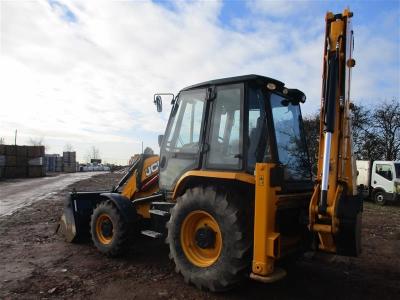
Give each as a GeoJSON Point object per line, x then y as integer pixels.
{"type": "Point", "coordinates": [109, 230]}
{"type": "Point", "coordinates": [379, 198]}
{"type": "Point", "coordinates": [209, 238]}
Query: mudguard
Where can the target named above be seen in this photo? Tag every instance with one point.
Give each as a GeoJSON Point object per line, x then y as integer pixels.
{"type": "Point", "coordinates": [124, 205]}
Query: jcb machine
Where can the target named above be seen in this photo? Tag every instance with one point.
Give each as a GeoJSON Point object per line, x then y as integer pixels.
{"type": "Point", "coordinates": [232, 191]}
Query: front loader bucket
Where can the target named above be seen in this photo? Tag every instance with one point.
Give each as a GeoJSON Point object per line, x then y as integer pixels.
{"type": "Point", "coordinates": [67, 226]}
{"type": "Point", "coordinates": [75, 221]}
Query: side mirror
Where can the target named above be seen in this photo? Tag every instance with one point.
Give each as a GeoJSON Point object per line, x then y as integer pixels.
{"type": "Point", "coordinates": [160, 139]}
{"type": "Point", "coordinates": [158, 103]}
{"type": "Point", "coordinates": [158, 100]}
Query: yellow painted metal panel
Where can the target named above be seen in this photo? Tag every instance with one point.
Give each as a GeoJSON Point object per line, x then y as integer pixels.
{"type": "Point", "coordinates": [266, 240]}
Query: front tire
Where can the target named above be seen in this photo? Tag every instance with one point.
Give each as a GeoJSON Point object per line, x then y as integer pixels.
{"type": "Point", "coordinates": [379, 198]}
{"type": "Point", "coordinates": [209, 237]}
{"type": "Point", "coordinates": [110, 232]}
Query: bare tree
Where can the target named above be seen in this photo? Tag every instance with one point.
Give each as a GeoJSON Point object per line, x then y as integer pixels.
{"type": "Point", "coordinates": [38, 141]}
{"type": "Point", "coordinates": [376, 132]}
{"type": "Point", "coordinates": [93, 153]}
{"type": "Point", "coordinates": [361, 126]}
{"type": "Point", "coordinates": [311, 130]}
{"type": "Point", "coordinates": [386, 120]}
{"type": "Point", "coordinates": [367, 143]}
{"type": "Point", "coordinates": [68, 147]}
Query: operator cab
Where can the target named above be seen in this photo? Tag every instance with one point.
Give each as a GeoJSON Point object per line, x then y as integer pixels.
{"type": "Point", "coordinates": [231, 124]}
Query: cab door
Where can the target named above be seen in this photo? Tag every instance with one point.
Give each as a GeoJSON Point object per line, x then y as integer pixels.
{"type": "Point", "coordinates": [225, 136]}
{"type": "Point", "coordinates": [383, 177]}
{"type": "Point", "coordinates": [181, 146]}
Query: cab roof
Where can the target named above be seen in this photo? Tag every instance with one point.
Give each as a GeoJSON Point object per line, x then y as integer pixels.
{"type": "Point", "coordinates": [244, 78]}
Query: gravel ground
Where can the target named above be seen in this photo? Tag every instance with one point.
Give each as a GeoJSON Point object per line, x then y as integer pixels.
{"type": "Point", "coordinates": [36, 263]}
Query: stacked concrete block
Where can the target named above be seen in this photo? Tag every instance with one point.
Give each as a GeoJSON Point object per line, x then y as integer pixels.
{"type": "Point", "coordinates": [51, 162]}
{"type": "Point", "coordinates": [69, 162]}
{"type": "Point", "coordinates": [37, 167]}
{"type": "Point", "coordinates": [16, 162]}
{"type": "Point", "coordinates": [59, 164]}
{"type": "Point", "coordinates": [2, 160]}
{"type": "Point", "coordinates": [21, 161]}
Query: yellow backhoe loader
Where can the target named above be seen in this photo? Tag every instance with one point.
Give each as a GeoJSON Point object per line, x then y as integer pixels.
{"type": "Point", "coordinates": [232, 191]}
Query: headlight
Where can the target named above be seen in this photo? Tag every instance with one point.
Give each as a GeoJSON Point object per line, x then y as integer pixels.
{"type": "Point", "coordinates": [397, 187]}
{"type": "Point", "coordinates": [271, 86]}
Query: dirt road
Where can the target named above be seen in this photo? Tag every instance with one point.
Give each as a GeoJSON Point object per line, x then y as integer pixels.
{"type": "Point", "coordinates": [17, 193]}
{"type": "Point", "coordinates": [36, 264]}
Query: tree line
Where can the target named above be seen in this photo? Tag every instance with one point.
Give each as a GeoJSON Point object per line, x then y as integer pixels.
{"type": "Point", "coordinates": [376, 132]}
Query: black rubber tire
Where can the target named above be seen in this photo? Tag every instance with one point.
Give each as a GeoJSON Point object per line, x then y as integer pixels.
{"type": "Point", "coordinates": [379, 198]}
{"type": "Point", "coordinates": [233, 219]}
{"type": "Point", "coordinates": [121, 230]}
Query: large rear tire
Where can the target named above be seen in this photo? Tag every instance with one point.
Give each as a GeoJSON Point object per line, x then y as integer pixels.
{"type": "Point", "coordinates": [110, 232]}
{"type": "Point", "coordinates": [209, 237]}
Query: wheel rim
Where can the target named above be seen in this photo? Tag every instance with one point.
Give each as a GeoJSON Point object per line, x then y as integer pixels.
{"type": "Point", "coordinates": [104, 229]}
{"type": "Point", "coordinates": [201, 238]}
{"type": "Point", "coordinates": [379, 197]}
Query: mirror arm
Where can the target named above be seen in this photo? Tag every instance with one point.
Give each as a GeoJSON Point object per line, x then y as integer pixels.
{"type": "Point", "coordinates": [163, 94]}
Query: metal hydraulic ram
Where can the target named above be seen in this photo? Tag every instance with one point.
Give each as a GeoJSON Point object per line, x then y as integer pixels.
{"type": "Point", "coordinates": [330, 101]}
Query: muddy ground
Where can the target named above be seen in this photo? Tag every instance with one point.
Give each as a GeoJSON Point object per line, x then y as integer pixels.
{"type": "Point", "coordinates": [36, 263]}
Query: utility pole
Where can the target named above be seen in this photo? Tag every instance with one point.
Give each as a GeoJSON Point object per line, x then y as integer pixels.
{"type": "Point", "coordinates": [15, 140]}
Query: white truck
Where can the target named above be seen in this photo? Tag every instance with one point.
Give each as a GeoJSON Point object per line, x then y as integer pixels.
{"type": "Point", "coordinates": [379, 180]}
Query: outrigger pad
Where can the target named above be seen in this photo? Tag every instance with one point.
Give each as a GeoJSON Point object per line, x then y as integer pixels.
{"type": "Point", "coordinates": [348, 239]}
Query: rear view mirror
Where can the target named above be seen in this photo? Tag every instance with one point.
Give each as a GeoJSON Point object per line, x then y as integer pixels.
{"type": "Point", "coordinates": [158, 102]}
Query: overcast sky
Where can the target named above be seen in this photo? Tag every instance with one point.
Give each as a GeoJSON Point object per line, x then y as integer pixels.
{"type": "Point", "coordinates": [84, 72]}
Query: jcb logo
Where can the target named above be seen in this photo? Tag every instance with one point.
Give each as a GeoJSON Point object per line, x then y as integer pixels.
{"type": "Point", "coordinates": [152, 168]}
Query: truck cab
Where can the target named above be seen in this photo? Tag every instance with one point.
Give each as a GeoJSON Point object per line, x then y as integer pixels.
{"type": "Point", "coordinates": [380, 180]}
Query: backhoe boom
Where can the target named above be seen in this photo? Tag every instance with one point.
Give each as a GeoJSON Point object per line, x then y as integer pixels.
{"type": "Point", "coordinates": [335, 210]}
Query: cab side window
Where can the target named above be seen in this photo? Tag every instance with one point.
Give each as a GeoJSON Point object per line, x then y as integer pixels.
{"type": "Point", "coordinates": [384, 171]}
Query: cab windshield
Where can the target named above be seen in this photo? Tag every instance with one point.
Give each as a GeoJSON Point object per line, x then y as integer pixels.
{"type": "Point", "coordinates": [292, 150]}
{"type": "Point", "coordinates": [397, 169]}
{"type": "Point", "coordinates": [186, 119]}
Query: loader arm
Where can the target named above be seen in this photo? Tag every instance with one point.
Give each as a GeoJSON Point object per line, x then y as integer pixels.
{"type": "Point", "coordinates": [335, 209]}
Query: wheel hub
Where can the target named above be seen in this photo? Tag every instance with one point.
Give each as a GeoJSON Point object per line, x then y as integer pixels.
{"type": "Point", "coordinates": [205, 237]}
{"type": "Point", "coordinates": [201, 238]}
{"type": "Point", "coordinates": [106, 228]}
